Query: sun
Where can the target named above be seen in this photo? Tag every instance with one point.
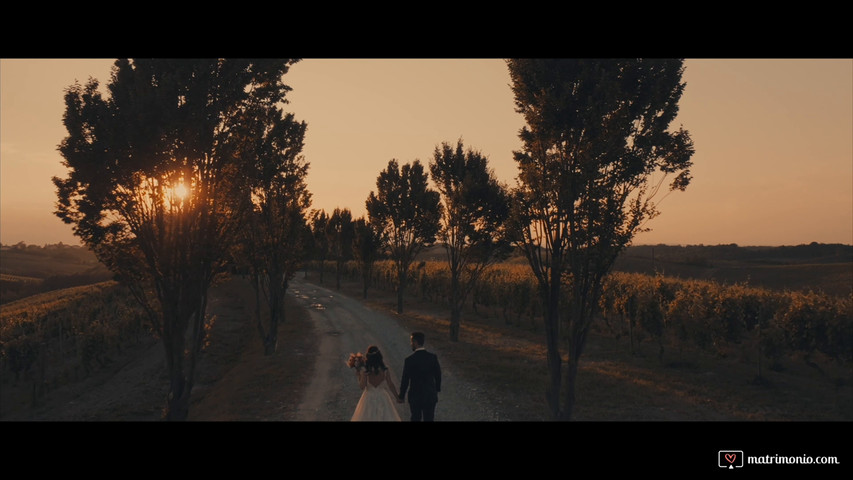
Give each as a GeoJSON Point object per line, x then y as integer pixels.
{"type": "Point", "coordinates": [181, 191]}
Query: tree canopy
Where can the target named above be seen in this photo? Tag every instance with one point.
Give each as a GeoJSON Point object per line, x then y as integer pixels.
{"type": "Point", "coordinates": [475, 207]}
{"type": "Point", "coordinates": [150, 185]}
{"type": "Point", "coordinates": [407, 213]}
{"type": "Point", "coordinates": [274, 199]}
{"type": "Point", "coordinates": [596, 149]}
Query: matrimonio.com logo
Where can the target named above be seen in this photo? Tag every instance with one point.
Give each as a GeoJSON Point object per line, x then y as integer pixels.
{"type": "Point", "coordinates": [730, 459]}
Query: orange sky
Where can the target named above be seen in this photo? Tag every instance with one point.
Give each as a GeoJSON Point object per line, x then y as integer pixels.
{"type": "Point", "coordinates": [773, 138]}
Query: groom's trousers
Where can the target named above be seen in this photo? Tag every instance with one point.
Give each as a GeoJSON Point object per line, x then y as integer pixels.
{"type": "Point", "coordinates": [422, 412]}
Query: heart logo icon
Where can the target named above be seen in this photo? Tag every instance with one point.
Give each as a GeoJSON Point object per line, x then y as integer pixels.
{"type": "Point", "coordinates": [730, 457]}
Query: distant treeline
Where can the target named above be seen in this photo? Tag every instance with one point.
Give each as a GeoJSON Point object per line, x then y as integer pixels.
{"type": "Point", "coordinates": [59, 251]}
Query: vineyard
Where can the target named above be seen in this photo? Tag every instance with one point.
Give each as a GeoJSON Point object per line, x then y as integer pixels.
{"type": "Point", "coordinates": [56, 338]}
{"type": "Point", "coordinates": [673, 314]}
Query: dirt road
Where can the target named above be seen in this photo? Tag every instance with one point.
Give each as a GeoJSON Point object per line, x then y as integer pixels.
{"type": "Point", "coordinates": [346, 326]}
{"type": "Point", "coordinates": [306, 380]}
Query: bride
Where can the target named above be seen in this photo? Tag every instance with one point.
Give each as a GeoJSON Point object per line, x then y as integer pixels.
{"type": "Point", "coordinates": [376, 403]}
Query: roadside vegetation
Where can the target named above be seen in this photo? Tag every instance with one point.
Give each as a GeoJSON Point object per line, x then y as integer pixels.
{"type": "Point", "coordinates": [649, 366]}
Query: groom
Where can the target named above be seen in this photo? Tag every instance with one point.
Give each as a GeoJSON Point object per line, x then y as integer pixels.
{"type": "Point", "coordinates": [421, 369]}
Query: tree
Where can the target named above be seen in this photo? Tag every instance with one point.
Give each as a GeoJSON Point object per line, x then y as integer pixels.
{"type": "Point", "coordinates": [150, 187]}
{"type": "Point", "coordinates": [475, 207]}
{"type": "Point", "coordinates": [407, 213]}
{"type": "Point", "coordinates": [595, 152]}
{"type": "Point", "coordinates": [274, 203]}
{"type": "Point", "coordinates": [320, 250]}
{"type": "Point", "coordinates": [340, 232]}
{"type": "Point", "coordinates": [308, 246]}
{"type": "Point", "coordinates": [367, 247]}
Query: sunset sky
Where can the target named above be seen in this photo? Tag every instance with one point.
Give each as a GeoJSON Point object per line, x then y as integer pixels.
{"type": "Point", "coordinates": [773, 138]}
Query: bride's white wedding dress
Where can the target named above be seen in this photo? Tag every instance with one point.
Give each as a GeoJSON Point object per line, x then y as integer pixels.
{"type": "Point", "coordinates": [376, 404]}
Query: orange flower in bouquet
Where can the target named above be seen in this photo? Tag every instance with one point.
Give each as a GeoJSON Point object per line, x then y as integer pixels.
{"type": "Point", "coordinates": [356, 360]}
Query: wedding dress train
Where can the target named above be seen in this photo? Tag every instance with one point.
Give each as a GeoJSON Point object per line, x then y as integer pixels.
{"type": "Point", "coordinates": [376, 405]}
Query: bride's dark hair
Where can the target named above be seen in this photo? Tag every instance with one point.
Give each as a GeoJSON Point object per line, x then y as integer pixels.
{"type": "Point", "coordinates": [374, 363]}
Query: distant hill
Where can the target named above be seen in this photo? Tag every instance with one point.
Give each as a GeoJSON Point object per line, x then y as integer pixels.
{"type": "Point", "coordinates": [785, 255]}
{"type": "Point", "coordinates": [30, 269]}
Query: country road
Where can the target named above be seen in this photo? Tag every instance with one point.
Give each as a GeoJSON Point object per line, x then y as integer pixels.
{"type": "Point", "coordinates": [346, 326]}
{"type": "Point", "coordinates": [237, 382]}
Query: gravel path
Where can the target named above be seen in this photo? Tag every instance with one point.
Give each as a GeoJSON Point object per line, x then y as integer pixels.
{"type": "Point", "coordinates": [346, 326]}
{"type": "Point", "coordinates": [236, 381]}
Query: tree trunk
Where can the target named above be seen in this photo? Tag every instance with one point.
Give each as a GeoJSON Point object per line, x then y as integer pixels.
{"type": "Point", "coordinates": [571, 380]}
{"type": "Point", "coordinates": [455, 307]}
{"type": "Point", "coordinates": [177, 401]}
{"type": "Point", "coordinates": [276, 311]}
{"type": "Point", "coordinates": [271, 339]}
{"type": "Point", "coordinates": [759, 351]}
{"type": "Point", "coordinates": [183, 337]}
{"type": "Point", "coordinates": [455, 316]}
{"type": "Point", "coordinates": [631, 332]}
{"type": "Point", "coordinates": [401, 284]}
{"type": "Point", "coordinates": [258, 319]}
{"type": "Point", "coordinates": [552, 342]}
{"type": "Point", "coordinates": [366, 279]}
{"type": "Point", "coordinates": [270, 343]}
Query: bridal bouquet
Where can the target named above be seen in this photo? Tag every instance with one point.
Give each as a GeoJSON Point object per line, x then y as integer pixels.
{"type": "Point", "coordinates": [356, 360]}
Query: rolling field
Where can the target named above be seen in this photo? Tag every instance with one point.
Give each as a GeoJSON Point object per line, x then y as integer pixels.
{"type": "Point", "coordinates": [32, 270]}
{"type": "Point", "coordinates": [43, 262]}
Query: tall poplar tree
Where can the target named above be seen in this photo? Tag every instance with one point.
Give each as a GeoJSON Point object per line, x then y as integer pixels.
{"type": "Point", "coordinates": [475, 208]}
{"type": "Point", "coordinates": [150, 186]}
{"type": "Point", "coordinates": [320, 244]}
{"type": "Point", "coordinates": [596, 151]}
{"type": "Point", "coordinates": [407, 213]}
{"type": "Point", "coordinates": [367, 246]}
{"type": "Point", "coordinates": [340, 232]}
{"type": "Point", "coordinates": [274, 199]}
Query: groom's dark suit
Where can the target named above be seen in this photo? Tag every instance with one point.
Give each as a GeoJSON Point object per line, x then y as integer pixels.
{"type": "Point", "coordinates": [422, 370]}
